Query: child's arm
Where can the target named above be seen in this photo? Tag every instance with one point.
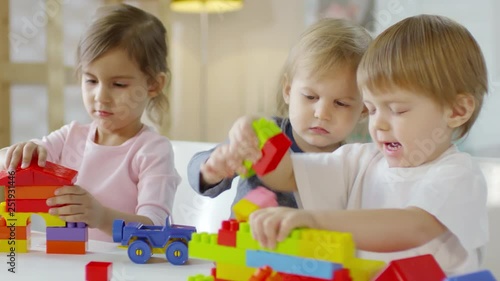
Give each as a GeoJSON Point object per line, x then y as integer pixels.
{"type": "Point", "coordinates": [83, 207]}
{"type": "Point", "coordinates": [383, 230]}
{"type": "Point", "coordinates": [283, 177]}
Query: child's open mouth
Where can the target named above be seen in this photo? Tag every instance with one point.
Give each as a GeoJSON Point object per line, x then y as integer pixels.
{"type": "Point", "coordinates": [392, 146]}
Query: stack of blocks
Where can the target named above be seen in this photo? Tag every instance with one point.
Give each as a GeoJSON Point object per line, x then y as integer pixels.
{"type": "Point", "coordinates": [307, 254]}
{"type": "Point", "coordinates": [26, 192]}
{"type": "Point", "coordinates": [15, 238]}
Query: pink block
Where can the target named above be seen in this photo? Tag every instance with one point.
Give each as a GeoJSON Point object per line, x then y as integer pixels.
{"type": "Point", "coordinates": [262, 197]}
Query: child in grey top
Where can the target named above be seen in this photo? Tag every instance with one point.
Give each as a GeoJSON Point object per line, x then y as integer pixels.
{"type": "Point", "coordinates": [318, 93]}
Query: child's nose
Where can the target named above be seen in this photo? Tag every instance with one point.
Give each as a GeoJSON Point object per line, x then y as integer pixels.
{"type": "Point", "coordinates": [379, 122]}
{"type": "Point", "coordinates": [322, 111]}
{"type": "Point", "coordinates": [101, 94]}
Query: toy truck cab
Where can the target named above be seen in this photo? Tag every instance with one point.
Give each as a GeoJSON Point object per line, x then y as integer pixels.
{"type": "Point", "coordinates": [144, 240]}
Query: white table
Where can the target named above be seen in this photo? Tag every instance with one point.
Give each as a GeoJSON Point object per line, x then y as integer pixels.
{"type": "Point", "coordinates": [39, 266]}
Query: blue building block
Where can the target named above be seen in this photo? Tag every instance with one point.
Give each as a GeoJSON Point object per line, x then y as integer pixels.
{"type": "Point", "coordinates": [484, 275]}
{"type": "Point", "coordinates": [292, 265]}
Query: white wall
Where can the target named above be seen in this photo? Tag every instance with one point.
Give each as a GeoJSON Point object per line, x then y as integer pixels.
{"type": "Point", "coordinates": [246, 50]}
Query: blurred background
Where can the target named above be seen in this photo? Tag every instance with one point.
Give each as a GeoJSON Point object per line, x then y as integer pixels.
{"type": "Point", "coordinates": [225, 63]}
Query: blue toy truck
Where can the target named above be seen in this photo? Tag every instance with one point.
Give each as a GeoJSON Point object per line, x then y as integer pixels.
{"type": "Point", "coordinates": [144, 240]}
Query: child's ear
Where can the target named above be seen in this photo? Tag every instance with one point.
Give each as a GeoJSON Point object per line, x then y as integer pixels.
{"type": "Point", "coordinates": [286, 89]}
{"type": "Point", "coordinates": [156, 85]}
{"type": "Point", "coordinates": [461, 111]}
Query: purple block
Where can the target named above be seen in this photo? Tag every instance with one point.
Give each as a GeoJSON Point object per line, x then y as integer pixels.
{"type": "Point", "coordinates": [67, 233]}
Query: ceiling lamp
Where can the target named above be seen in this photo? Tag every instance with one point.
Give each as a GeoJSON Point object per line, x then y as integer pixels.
{"type": "Point", "coordinates": [207, 6]}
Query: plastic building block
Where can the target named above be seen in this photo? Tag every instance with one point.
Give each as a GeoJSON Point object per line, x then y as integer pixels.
{"type": "Point", "coordinates": [142, 240]}
{"type": "Point", "coordinates": [66, 247]}
{"type": "Point", "coordinates": [410, 269]}
{"type": "Point", "coordinates": [50, 175]}
{"type": "Point", "coordinates": [227, 233]}
{"type": "Point", "coordinates": [200, 277]}
{"type": "Point", "coordinates": [17, 232]}
{"type": "Point", "coordinates": [18, 246]}
{"type": "Point", "coordinates": [272, 152]}
{"type": "Point", "coordinates": [243, 208]}
{"type": "Point", "coordinates": [98, 271]}
{"type": "Point", "coordinates": [339, 275]}
{"type": "Point", "coordinates": [262, 197]}
{"type": "Point", "coordinates": [68, 233]}
{"type": "Point", "coordinates": [483, 275]}
{"type": "Point", "coordinates": [228, 271]}
{"type": "Point", "coordinates": [29, 205]}
{"type": "Point", "coordinates": [262, 273]}
{"type": "Point", "coordinates": [34, 192]}
{"type": "Point", "coordinates": [204, 246]}
{"type": "Point", "coordinates": [293, 265]}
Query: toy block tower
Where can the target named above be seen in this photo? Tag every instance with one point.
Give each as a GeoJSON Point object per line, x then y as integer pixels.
{"type": "Point", "coordinates": [26, 191]}
{"type": "Point", "coordinates": [15, 237]}
{"type": "Point", "coordinates": [273, 144]}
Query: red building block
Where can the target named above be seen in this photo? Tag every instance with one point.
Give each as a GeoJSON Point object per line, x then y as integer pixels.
{"type": "Point", "coordinates": [417, 268]}
{"type": "Point", "coordinates": [261, 274]}
{"type": "Point", "coordinates": [338, 275]}
{"type": "Point", "coordinates": [272, 152]}
{"type": "Point", "coordinates": [227, 233]}
{"type": "Point", "coordinates": [50, 175]}
{"type": "Point", "coordinates": [98, 271]}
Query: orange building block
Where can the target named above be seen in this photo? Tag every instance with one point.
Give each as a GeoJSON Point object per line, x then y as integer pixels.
{"type": "Point", "coordinates": [33, 192]}
{"type": "Point", "coordinates": [66, 247]}
{"type": "Point", "coordinates": [20, 232]}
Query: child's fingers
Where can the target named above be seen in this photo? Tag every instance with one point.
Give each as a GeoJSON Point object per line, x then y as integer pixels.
{"type": "Point", "coordinates": [69, 210]}
{"type": "Point", "coordinates": [42, 155]}
{"type": "Point", "coordinates": [9, 159]}
{"type": "Point", "coordinates": [28, 151]}
{"type": "Point", "coordinates": [70, 190]}
{"type": "Point", "coordinates": [75, 218]}
{"type": "Point", "coordinates": [284, 229]}
{"type": "Point", "coordinates": [16, 153]}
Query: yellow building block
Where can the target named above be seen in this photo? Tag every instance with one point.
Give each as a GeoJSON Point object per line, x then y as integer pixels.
{"type": "Point", "coordinates": [22, 218]}
{"type": "Point", "coordinates": [243, 208]}
{"type": "Point", "coordinates": [20, 246]}
{"type": "Point", "coordinates": [364, 270]}
{"type": "Point", "coordinates": [204, 246]}
{"type": "Point", "coordinates": [337, 247]}
{"type": "Point", "coordinates": [290, 246]}
{"type": "Point", "coordinates": [233, 272]}
{"type": "Point", "coordinates": [200, 277]}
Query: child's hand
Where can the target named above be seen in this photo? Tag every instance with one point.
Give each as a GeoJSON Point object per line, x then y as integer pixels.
{"type": "Point", "coordinates": [24, 151]}
{"type": "Point", "coordinates": [81, 206]}
{"type": "Point", "coordinates": [243, 142]}
{"type": "Point", "coordinates": [220, 165]}
{"type": "Point", "coordinates": [227, 159]}
{"type": "Point", "coordinates": [272, 225]}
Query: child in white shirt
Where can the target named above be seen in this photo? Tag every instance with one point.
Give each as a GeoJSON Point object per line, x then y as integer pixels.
{"type": "Point", "coordinates": [410, 192]}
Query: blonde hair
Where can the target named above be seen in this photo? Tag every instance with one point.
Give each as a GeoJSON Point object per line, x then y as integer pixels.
{"type": "Point", "coordinates": [430, 55]}
{"type": "Point", "coordinates": [324, 46]}
{"type": "Point", "coordinates": [139, 33]}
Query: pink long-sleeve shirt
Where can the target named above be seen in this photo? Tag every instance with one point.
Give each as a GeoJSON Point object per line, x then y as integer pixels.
{"type": "Point", "coordinates": [136, 177]}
